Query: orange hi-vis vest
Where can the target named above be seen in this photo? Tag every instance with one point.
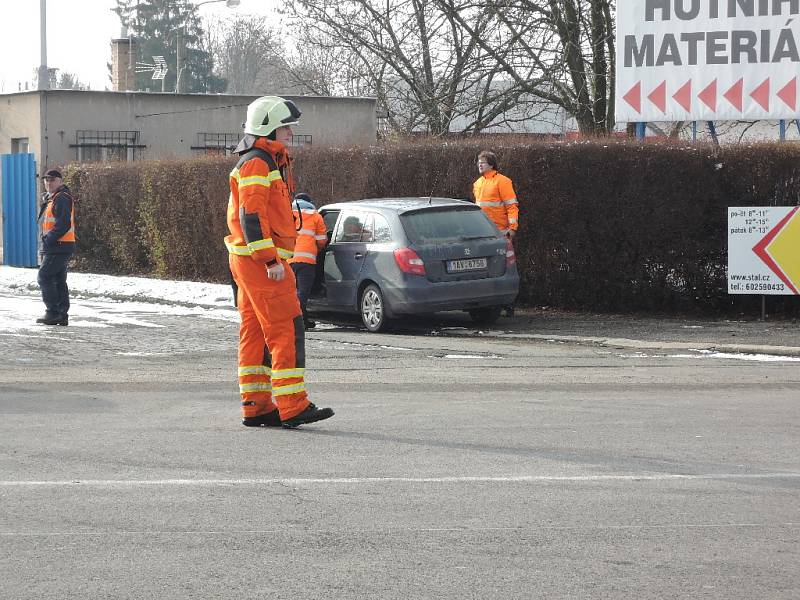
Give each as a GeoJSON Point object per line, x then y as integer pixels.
{"type": "Point", "coordinates": [311, 237]}
{"type": "Point", "coordinates": [494, 193]}
{"type": "Point", "coordinates": [260, 217]}
{"type": "Point", "coordinates": [49, 220]}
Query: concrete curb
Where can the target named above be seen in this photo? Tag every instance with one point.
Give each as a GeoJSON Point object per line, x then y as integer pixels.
{"type": "Point", "coordinates": [791, 351]}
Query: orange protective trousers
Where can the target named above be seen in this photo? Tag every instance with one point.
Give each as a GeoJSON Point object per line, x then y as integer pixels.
{"type": "Point", "coordinates": [271, 341]}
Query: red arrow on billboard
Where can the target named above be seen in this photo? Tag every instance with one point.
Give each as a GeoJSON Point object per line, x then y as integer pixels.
{"type": "Point", "coordinates": [734, 95]}
{"type": "Point", "coordinates": [709, 95]}
{"type": "Point", "coordinates": [761, 249]}
{"type": "Point", "coordinates": [788, 94]}
{"type": "Point", "coordinates": [684, 96]}
{"type": "Point", "coordinates": [761, 94]}
{"type": "Point", "coordinates": [634, 97]}
{"type": "Point", "coordinates": [659, 97]}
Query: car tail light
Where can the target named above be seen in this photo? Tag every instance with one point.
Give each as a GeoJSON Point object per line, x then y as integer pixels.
{"type": "Point", "coordinates": [511, 257]}
{"type": "Point", "coordinates": [409, 261]}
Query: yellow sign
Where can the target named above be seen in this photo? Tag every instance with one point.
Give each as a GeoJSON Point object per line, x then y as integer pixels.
{"type": "Point", "coordinates": [780, 249]}
{"type": "Point", "coordinates": [785, 250]}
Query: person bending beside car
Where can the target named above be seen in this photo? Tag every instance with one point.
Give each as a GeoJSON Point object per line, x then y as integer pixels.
{"type": "Point", "coordinates": [495, 194]}
{"type": "Point", "coordinates": [311, 238]}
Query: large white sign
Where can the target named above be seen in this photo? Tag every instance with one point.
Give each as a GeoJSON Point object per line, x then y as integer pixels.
{"type": "Point", "coordinates": [764, 250]}
{"type": "Point", "coordinates": [686, 60]}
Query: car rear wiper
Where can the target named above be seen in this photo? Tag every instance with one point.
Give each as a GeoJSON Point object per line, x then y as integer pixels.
{"type": "Point", "coordinates": [466, 238]}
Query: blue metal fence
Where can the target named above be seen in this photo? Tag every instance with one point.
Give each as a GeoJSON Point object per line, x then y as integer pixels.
{"type": "Point", "coordinates": [20, 231]}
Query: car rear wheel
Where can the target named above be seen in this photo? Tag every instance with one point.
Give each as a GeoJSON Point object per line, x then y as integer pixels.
{"type": "Point", "coordinates": [373, 309]}
{"type": "Point", "coordinates": [485, 315]}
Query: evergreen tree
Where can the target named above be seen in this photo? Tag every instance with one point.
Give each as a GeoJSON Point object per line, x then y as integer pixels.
{"type": "Point", "coordinates": [158, 26]}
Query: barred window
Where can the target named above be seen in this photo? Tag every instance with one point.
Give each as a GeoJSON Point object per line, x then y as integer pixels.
{"type": "Point", "coordinates": [216, 143]}
{"type": "Point", "coordinates": [225, 143]}
{"type": "Point", "coordinates": [301, 140]}
{"type": "Point", "coordinates": [105, 146]}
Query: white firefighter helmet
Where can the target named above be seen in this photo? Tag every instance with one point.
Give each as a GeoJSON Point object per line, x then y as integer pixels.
{"type": "Point", "coordinates": [268, 113]}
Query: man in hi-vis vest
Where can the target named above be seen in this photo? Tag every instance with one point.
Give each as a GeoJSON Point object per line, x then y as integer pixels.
{"type": "Point", "coordinates": [495, 194]}
{"type": "Point", "coordinates": [57, 235]}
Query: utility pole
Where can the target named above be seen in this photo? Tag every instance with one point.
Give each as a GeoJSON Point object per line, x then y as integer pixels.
{"type": "Point", "coordinates": [44, 72]}
{"type": "Point", "coordinates": [179, 61]}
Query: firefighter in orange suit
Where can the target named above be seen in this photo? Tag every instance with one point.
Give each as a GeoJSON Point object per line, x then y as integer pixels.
{"type": "Point", "coordinates": [262, 238]}
{"type": "Point", "coordinates": [494, 193]}
{"type": "Point", "coordinates": [311, 238]}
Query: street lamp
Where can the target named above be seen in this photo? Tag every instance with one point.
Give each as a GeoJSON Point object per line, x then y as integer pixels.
{"type": "Point", "coordinates": [179, 49]}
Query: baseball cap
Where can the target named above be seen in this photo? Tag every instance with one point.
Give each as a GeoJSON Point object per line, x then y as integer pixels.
{"type": "Point", "coordinates": [52, 174]}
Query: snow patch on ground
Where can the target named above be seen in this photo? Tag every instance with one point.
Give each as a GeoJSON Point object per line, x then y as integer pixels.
{"type": "Point", "coordinates": [699, 354]}
{"type": "Point", "coordinates": [109, 301]}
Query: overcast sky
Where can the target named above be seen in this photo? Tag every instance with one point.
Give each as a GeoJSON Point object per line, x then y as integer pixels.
{"type": "Point", "coordinates": [78, 37]}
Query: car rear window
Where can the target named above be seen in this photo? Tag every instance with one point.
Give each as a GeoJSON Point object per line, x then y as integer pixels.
{"type": "Point", "coordinates": [427, 226]}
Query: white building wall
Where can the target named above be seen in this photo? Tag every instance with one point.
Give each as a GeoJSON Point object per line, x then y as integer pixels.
{"type": "Point", "coordinates": [19, 118]}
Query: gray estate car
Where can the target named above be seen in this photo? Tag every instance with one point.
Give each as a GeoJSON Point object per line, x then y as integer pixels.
{"type": "Point", "coordinates": [391, 257]}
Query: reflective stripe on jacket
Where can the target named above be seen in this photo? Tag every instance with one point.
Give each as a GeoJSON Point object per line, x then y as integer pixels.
{"type": "Point", "coordinates": [57, 222]}
{"type": "Point", "coordinates": [311, 238]}
{"type": "Point", "coordinates": [494, 193]}
{"type": "Point", "coordinates": [259, 206]}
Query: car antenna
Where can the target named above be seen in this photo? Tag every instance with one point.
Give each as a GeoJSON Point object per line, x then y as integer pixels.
{"type": "Point", "coordinates": [430, 196]}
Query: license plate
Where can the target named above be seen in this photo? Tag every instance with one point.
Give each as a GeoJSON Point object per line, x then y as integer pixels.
{"type": "Point", "coordinates": [467, 264]}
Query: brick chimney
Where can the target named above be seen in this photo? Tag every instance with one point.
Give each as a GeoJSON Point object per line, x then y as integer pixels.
{"type": "Point", "coordinates": [123, 64]}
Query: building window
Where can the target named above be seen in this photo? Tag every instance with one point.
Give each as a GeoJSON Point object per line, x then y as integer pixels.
{"type": "Point", "coordinates": [301, 140]}
{"type": "Point", "coordinates": [216, 143]}
{"type": "Point", "coordinates": [225, 143]}
{"type": "Point", "coordinates": [19, 145]}
{"type": "Point", "coordinates": [106, 146]}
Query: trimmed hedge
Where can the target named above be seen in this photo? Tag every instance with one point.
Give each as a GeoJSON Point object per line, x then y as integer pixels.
{"type": "Point", "coordinates": [609, 226]}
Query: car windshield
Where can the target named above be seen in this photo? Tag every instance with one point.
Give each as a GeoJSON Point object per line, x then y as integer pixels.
{"type": "Point", "coordinates": [429, 226]}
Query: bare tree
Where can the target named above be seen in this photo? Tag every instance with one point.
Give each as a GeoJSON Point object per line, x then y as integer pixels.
{"type": "Point", "coordinates": [322, 67]}
{"type": "Point", "coordinates": [561, 51]}
{"type": "Point", "coordinates": [250, 55]}
{"type": "Point", "coordinates": [415, 56]}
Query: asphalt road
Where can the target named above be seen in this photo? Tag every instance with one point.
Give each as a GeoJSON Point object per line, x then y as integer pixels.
{"type": "Point", "coordinates": [456, 467]}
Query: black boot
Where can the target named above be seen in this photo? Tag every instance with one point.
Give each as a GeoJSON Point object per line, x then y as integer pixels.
{"type": "Point", "coordinates": [270, 419]}
{"type": "Point", "coordinates": [308, 323]}
{"type": "Point", "coordinates": [64, 320]}
{"type": "Point", "coordinates": [49, 318]}
{"type": "Point", "coordinates": [311, 414]}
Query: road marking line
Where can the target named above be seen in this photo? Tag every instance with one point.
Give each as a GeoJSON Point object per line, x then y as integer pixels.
{"type": "Point", "coordinates": [374, 480]}
{"type": "Point", "coordinates": [537, 527]}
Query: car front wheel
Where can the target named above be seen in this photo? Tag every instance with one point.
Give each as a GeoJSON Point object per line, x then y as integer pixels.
{"type": "Point", "coordinates": [373, 309]}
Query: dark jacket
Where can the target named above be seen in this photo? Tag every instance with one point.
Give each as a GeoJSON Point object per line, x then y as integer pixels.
{"type": "Point", "coordinates": [62, 211]}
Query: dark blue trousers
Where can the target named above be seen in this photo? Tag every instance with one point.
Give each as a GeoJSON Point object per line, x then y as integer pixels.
{"type": "Point", "coordinates": [53, 283]}
{"type": "Point", "coordinates": [304, 276]}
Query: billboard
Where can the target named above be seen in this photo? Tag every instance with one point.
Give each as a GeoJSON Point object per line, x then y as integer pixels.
{"type": "Point", "coordinates": [688, 60]}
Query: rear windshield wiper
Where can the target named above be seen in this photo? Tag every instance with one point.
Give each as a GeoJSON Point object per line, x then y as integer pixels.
{"type": "Point", "coordinates": [466, 238]}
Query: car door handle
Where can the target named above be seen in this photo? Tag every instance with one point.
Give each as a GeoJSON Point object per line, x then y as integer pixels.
{"type": "Point", "coordinates": [358, 255]}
